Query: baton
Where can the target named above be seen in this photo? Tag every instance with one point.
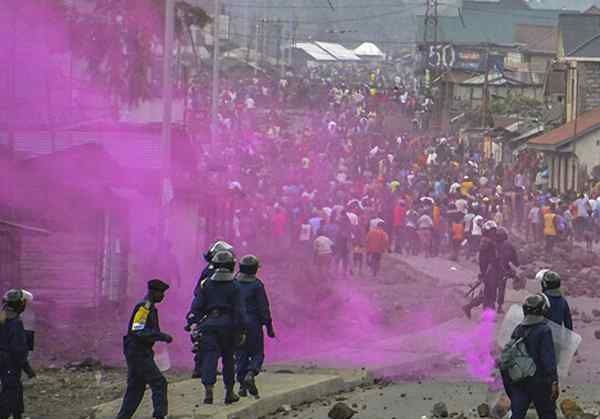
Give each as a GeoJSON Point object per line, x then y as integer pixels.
{"type": "Point", "coordinates": [473, 288]}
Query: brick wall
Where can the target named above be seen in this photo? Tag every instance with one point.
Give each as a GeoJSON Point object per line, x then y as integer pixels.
{"type": "Point", "coordinates": [589, 87]}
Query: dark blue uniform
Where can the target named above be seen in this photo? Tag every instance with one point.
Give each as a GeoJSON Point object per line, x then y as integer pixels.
{"type": "Point", "coordinates": [13, 358]}
{"type": "Point", "coordinates": [559, 310]}
{"type": "Point", "coordinates": [218, 308]}
{"type": "Point", "coordinates": [251, 355]}
{"type": "Point", "coordinates": [143, 333]}
{"type": "Point", "coordinates": [207, 272]}
{"type": "Point", "coordinates": [508, 256]}
{"type": "Point", "coordinates": [536, 389]}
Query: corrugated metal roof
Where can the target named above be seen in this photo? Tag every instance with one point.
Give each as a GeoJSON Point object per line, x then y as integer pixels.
{"type": "Point", "coordinates": [579, 5]}
{"type": "Point", "coordinates": [539, 38]}
{"type": "Point", "coordinates": [580, 34]}
{"type": "Point", "coordinates": [338, 51]}
{"type": "Point", "coordinates": [587, 122]}
{"type": "Point", "coordinates": [487, 23]}
{"type": "Point", "coordinates": [316, 53]}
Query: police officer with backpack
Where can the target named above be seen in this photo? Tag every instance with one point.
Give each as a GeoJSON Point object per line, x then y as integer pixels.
{"type": "Point", "coordinates": [528, 363]}
{"type": "Point", "coordinates": [251, 355]}
{"type": "Point", "coordinates": [559, 312]}
{"type": "Point", "coordinates": [221, 321]}
{"type": "Point", "coordinates": [207, 272]}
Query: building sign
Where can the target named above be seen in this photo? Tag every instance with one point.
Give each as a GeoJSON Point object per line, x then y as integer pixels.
{"type": "Point", "coordinates": [452, 57]}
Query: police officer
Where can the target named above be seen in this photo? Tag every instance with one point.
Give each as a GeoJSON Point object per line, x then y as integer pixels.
{"type": "Point", "coordinates": [559, 312]}
{"type": "Point", "coordinates": [251, 355]}
{"type": "Point", "coordinates": [509, 260]}
{"type": "Point", "coordinates": [489, 269]}
{"type": "Point", "coordinates": [542, 388]}
{"type": "Point", "coordinates": [221, 322]}
{"type": "Point", "coordinates": [207, 272]}
{"type": "Point", "coordinates": [14, 348]}
{"type": "Point", "coordinates": [142, 333]}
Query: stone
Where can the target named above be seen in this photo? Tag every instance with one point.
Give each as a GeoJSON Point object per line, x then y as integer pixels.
{"type": "Point", "coordinates": [483, 410]}
{"type": "Point", "coordinates": [341, 411]}
{"type": "Point", "coordinates": [440, 410]}
{"type": "Point", "coordinates": [586, 318]}
{"type": "Point", "coordinates": [597, 334]}
{"type": "Point", "coordinates": [570, 409]}
{"type": "Point", "coordinates": [596, 313]}
{"type": "Point", "coordinates": [501, 407]}
{"type": "Point", "coordinates": [286, 408]}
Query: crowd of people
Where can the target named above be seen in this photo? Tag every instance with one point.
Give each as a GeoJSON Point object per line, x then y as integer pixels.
{"type": "Point", "coordinates": [326, 164]}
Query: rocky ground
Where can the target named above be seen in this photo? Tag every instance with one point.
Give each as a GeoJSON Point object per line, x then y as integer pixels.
{"type": "Point", "coordinates": [318, 318]}
{"type": "Point", "coordinates": [70, 392]}
{"type": "Point", "coordinates": [427, 400]}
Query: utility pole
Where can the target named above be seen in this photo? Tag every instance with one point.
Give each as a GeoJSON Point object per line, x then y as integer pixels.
{"type": "Point", "coordinates": [215, 75]}
{"type": "Point", "coordinates": [167, 95]}
{"type": "Point", "coordinates": [485, 95]}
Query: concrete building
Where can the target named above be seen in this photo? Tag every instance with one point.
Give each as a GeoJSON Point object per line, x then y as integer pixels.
{"type": "Point", "coordinates": [572, 151]}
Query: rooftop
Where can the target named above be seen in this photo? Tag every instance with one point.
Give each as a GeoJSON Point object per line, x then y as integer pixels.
{"type": "Point", "coordinates": [580, 35]}
{"type": "Point", "coordinates": [568, 132]}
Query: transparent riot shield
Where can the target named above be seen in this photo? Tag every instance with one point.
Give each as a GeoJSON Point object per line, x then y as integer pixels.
{"type": "Point", "coordinates": [566, 342]}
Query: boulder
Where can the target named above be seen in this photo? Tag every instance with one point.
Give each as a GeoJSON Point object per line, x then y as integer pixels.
{"type": "Point", "coordinates": [341, 411]}
{"type": "Point", "coordinates": [440, 410]}
{"type": "Point", "coordinates": [483, 410]}
{"type": "Point", "coordinates": [501, 407]}
{"type": "Point", "coordinates": [570, 409]}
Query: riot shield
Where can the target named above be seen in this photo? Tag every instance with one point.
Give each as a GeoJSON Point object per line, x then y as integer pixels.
{"type": "Point", "coordinates": [566, 342]}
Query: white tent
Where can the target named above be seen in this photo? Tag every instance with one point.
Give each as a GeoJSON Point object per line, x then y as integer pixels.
{"type": "Point", "coordinates": [368, 49]}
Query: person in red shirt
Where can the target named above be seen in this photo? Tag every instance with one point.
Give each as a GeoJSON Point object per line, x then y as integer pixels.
{"type": "Point", "coordinates": [378, 242]}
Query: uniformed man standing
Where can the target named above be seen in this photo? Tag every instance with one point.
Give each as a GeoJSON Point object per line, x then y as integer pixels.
{"type": "Point", "coordinates": [489, 270]}
{"type": "Point", "coordinates": [542, 387]}
{"type": "Point", "coordinates": [221, 324]}
{"type": "Point", "coordinates": [508, 261]}
{"type": "Point", "coordinates": [251, 355]}
{"type": "Point", "coordinates": [14, 349]}
{"type": "Point", "coordinates": [559, 312]}
{"type": "Point", "coordinates": [207, 272]}
{"type": "Point", "coordinates": [143, 332]}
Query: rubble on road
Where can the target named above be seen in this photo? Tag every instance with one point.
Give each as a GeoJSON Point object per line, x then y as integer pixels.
{"type": "Point", "coordinates": [578, 268]}
{"type": "Point", "coordinates": [341, 411]}
{"type": "Point", "coordinates": [440, 410]}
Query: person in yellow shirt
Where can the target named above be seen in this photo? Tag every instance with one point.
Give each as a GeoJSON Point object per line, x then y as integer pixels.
{"type": "Point", "coordinates": [550, 229]}
{"type": "Point", "coordinates": [466, 186]}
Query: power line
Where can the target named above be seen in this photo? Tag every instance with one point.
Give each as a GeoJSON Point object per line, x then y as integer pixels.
{"type": "Point", "coordinates": [329, 22]}
{"type": "Point", "coordinates": [291, 7]}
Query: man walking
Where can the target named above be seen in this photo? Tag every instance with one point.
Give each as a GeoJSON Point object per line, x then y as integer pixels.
{"type": "Point", "coordinates": [378, 242]}
{"type": "Point", "coordinates": [142, 333]}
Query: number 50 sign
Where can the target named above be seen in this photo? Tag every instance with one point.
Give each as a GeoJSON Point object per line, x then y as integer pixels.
{"type": "Point", "coordinates": [441, 55]}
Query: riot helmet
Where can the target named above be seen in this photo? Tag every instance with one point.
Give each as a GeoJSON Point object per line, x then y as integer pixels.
{"type": "Point", "coordinates": [217, 246]}
{"type": "Point", "coordinates": [16, 300]}
{"type": "Point", "coordinates": [223, 261]}
{"type": "Point", "coordinates": [537, 305]}
{"type": "Point", "coordinates": [249, 265]}
{"type": "Point", "coordinates": [550, 280]}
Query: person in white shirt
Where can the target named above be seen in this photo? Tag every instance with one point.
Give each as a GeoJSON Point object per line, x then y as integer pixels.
{"type": "Point", "coordinates": [475, 237]}
{"type": "Point", "coordinates": [323, 248]}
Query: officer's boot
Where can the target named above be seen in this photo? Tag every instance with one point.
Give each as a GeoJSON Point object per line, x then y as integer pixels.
{"type": "Point", "coordinates": [230, 396]}
{"type": "Point", "coordinates": [208, 394]}
{"type": "Point", "coordinates": [243, 390]}
{"type": "Point", "coordinates": [467, 310]}
{"type": "Point", "coordinates": [251, 383]}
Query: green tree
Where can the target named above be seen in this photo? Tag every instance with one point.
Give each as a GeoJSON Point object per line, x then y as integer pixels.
{"type": "Point", "coordinates": [121, 41]}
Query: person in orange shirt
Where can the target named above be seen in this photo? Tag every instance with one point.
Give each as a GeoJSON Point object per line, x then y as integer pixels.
{"type": "Point", "coordinates": [378, 242]}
